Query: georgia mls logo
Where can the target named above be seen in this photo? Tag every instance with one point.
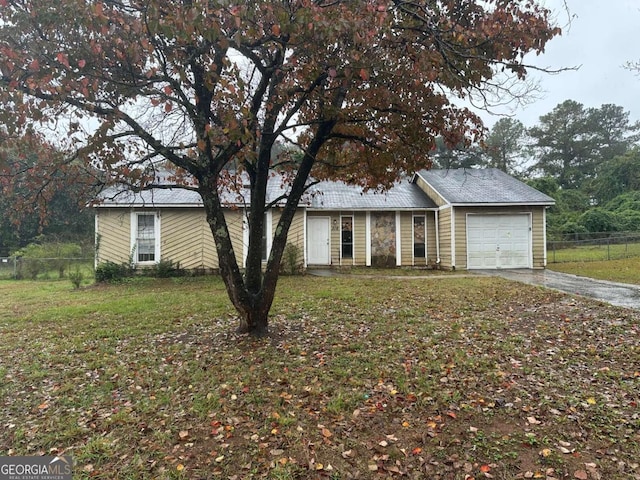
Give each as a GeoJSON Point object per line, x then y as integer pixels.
{"type": "Point", "coordinates": [36, 468]}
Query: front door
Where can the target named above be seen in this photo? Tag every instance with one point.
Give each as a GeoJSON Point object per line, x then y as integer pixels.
{"type": "Point", "coordinates": [318, 251]}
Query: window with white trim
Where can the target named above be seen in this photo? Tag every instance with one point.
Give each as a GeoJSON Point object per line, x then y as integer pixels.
{"type": "Point", "coordinates": [346, 236]}
{"type": "Point", "coordinates": [145, 239]}
{"type": "Point", "coordinates": [419, 236]}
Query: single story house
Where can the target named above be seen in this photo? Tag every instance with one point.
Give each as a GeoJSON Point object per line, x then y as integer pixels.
{"type": "Point", "coordinates": [450, 219]}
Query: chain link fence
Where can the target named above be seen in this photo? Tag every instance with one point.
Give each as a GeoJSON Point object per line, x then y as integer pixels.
{"type": "Point", "coordinates": [590, 247]}
{"type": "Point", "coordinates": [20, 268]}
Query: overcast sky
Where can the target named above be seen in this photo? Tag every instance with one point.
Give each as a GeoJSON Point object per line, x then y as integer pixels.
{"type": "Point", "coordinates": [600, 38]}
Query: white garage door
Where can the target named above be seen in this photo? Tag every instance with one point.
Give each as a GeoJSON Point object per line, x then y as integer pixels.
{"type": "Point", "coordinates": [498, 241]}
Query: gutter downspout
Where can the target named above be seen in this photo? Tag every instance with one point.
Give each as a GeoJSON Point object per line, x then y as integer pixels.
{"type": "Point", "coordinates": [96, 240]}
{"type": "Point", "coordinates": [367, 236]}
{"type": "Point", "coordinates": [453, 239]}
{"type": "Point", "coordinates": [437, 238]}
{"type": "Point", "coordinates": [398, 240]}
{"type": "Point", "coordinates": [544, 236]}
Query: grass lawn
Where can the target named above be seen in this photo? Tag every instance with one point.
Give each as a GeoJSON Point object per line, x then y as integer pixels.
{"type": "Point", "coordinates": [590, 253]}
{"type": "Point", "coordinates": [626, 270]}
{"type": "Point", "coordinates": [436, 378]}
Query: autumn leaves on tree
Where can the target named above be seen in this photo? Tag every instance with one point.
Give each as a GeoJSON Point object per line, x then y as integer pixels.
{"type": "Point", "coordinates": [362, 89]}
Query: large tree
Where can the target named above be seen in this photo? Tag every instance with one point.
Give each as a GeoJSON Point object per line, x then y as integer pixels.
{"type": "Point", "coordinates": [462, 155]}
{"type": "Point", "coordinates": [505, 145]}
{"type": "Point", "coordinates": [618, 176]}
{"type": "Point", "coordinates": [573, 141]}
{"type": "Point", "coordinates": [561, 143]}
{"type": "Point", "coordinates": [362, 88]}
{"type": "Point", "coordinates": [42, 194]}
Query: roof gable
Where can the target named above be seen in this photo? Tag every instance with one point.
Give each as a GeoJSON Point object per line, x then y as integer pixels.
{"type": "Point", "coordinates": [490, 186]}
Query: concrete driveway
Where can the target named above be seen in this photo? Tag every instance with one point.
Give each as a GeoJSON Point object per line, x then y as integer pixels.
{"type": "Point", "coordinates": [619, 294]}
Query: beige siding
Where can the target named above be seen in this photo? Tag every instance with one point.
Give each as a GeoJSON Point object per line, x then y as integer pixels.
{"type": "Point", "coordinates": [460, 241]}
{"type": "Point", "coordinates": [113, 235]}
{"type": "Point", "coordinates": [431, 193]}
{"type": "Point", "coordinates": [432, 248]}
{"type": "Point", "coordinates": [405, 236]}
{"type": "Point", "coordinates": [538, 236]}
{"type": "Point", "coordinates": [235, 222]}
{"type": "Point", "coordinates": [444, 217]}
{"type": "Point", "coordinates": [296, 230]}
{"type": "Point", "coordinates": [360, 239]}
{"type": "Point", "coordinates": [187, 239]}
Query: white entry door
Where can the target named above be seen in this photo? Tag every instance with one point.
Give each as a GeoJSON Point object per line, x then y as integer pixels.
{"type": "Point", "coordinates": [498, 241]}
{"type": "Point", "coordinates": [318, 248]}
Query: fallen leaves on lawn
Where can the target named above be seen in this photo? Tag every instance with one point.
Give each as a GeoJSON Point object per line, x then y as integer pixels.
{"type": "Point", "coordinates": [467, 378]}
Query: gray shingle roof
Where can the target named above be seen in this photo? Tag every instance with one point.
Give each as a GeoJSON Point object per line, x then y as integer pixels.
{"type": "Point", "coordinates": [457, 186]}
{"type": "Point", "coordinates": [489, 186]}
{"type": "Point", "coordinates": [120, 196]}
{"type": "Point", "coordinates": [158, 197]}
{"type": "Point", "coordinates": [404, 195]}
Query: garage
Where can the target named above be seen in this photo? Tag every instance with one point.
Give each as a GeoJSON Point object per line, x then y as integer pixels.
{"type": "Point", "coordinates": [498, 241]}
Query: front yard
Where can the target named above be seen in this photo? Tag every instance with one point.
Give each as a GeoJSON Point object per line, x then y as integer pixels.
{"type": "Point", "coordinates": [625, 270]}
{"type": "Point", "coordinates": [439, 378]}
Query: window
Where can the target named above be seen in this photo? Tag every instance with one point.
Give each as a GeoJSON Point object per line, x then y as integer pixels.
{"type": "Point", "coordinates": [419, 245]}
{"type": "Point", "coordinates": [145, 237]}
{"type": "Point", "coordinates": [347, 237]}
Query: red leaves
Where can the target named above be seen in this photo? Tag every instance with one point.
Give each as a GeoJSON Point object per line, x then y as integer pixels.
{"type": "Point", "coordinates": [63, 59]}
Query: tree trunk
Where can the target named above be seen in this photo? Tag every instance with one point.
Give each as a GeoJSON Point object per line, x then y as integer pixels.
{"type": "Point", "coordinates": [255, 324]}
{"type": "Point", "coordinates": [252, 294]}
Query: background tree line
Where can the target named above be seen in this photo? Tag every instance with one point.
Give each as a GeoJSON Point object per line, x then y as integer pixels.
{"type": "Point", "coordinates": [587, 159]}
